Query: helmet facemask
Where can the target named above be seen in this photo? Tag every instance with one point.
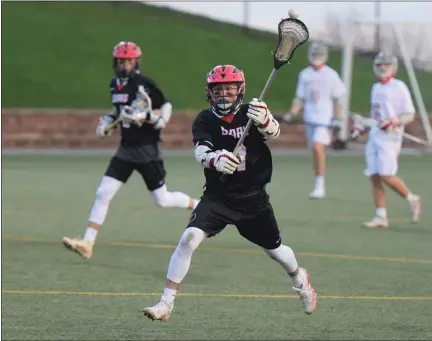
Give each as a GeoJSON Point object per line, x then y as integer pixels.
{"type": "Point", "coordinates": [385, 66]}
{"type": "Point", "coordinates": [225, 98]}
{"type": "Point", "coordinates": [126, 67]}
{"type": "Point", "coordinates": [317, 55]}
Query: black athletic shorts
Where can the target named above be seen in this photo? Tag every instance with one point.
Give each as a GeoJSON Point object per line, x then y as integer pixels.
{"type": "Point", "coordinates": [153, 172]}
{"type": "Point", "coordinates": [256, 223]}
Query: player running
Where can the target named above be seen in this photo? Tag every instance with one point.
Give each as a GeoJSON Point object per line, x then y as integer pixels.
{"type": "Point", "coordinates": [242, 199]}
{"type": "Point", "coordinates": [139, 150]}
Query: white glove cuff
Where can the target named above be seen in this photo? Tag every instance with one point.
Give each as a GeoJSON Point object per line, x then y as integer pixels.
{"type": "Point", "coordinates": [205, 156]}
{"type": "Point", "coordinates": [270, 129]}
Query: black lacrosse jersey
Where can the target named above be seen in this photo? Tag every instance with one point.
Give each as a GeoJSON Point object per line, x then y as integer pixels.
{"type": "Point", "coordinates": [138, 144]}
{"type": "Point", "coordinates": [124, 94]}
{"type": "Point", "coordinates": [223, 133]}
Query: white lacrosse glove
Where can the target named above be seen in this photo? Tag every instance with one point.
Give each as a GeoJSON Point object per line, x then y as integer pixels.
{"type": "Point", "coordinates": [225, 162]}
{"type": "Point", "coordinates": [289, 117]}
{"type": "Point", "coordinates": [358, 128]}
{"type": "Point", "coordinates": [258, 112]}
{"type": "Point", "coordinates": [104, 121]}
{"type": "Point", "coordinates": [389, 124]}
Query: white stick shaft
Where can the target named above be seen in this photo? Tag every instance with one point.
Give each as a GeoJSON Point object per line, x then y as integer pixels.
{"type": "Point", "coordinates": [370, 122]}
{"type": "Point", "coordinates": [249, 123]}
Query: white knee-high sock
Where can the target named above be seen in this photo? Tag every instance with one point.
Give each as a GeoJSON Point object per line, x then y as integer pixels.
{"type": "Point", "coordinates": [182, 256]}
{"type": "Point", "coordinates": [284, 255]}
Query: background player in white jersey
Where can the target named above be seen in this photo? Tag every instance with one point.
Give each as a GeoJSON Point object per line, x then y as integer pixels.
{"type": "Point", "coordinates": [319, 93]}
{"type": "Point", "coordinates": [392, 108]}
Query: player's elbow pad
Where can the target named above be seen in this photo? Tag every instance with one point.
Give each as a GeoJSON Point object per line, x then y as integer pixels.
{"type": "Point", "coordinates": [406, 118]}
{"type": "Point", "coordinates": [272, 130]}
{"type": "Point", "coordinates": [204, 156]}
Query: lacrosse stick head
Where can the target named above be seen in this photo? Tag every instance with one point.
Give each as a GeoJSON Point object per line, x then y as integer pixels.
{"type": "Point", "coordinates": [292, 33]}
{"type": "Point", "coordinates": [142, 102]}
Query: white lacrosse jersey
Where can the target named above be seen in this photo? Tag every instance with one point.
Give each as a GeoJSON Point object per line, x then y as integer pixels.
{"type": "Point", "coordinates": [318, 90]}
{"type": "Point", "coordinates": [389, 100]}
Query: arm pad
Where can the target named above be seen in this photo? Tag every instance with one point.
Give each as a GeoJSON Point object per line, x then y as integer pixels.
{"type": "Point", "coordinates": [166, 111]}
{"type": "Point", "coordinates": [204, 155]}
{"type": "Point", "coordinates": [271, 130]}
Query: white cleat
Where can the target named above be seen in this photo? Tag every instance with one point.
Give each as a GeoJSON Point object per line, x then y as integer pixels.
{"type": "Point", "coordinates": [317, 194]}
{"type": "Point", "coordinates": [377, 222]}
{"type": "Point", "coordinates": [160, 312]}
{"type": "Point", "coordinates": [415, 206]}
{"type": "Point", "coordinates": [83, 247]}
{"type": "Point", "coordinates": [306, 293]}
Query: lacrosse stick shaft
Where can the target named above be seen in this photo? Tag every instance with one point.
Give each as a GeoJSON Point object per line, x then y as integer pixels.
{"type": "Point", "coordinates": [117, 121]}
{"type": "Point", "coordinates": [250, 122]}
{"type": "Point", "coordinates": [416, 140]}
{"type": "Point", "coordinates": [112, 125]}
{"type": "Point", "coordinates": [370, 122]}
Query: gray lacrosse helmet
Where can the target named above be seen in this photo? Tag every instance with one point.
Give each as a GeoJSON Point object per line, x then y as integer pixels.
{"type": "Point", "coordinates": [391, 63]}
{"type": "Point", "coordinates": [317, 54]}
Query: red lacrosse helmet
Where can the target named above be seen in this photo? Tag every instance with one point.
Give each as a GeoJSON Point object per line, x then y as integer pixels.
{"type": "Point", "coordinates": [126, 50]}
{"type": "Point", "coordinates": [223, 102]}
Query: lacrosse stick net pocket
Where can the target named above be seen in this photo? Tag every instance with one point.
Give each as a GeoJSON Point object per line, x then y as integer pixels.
{"type": "Point", "coordinates": [292, 34]}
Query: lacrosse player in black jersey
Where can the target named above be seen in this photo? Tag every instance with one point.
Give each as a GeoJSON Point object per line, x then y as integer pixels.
{"type": "Point", "coordinates": [142, 111]}
{"type": "Point", "coordinates": [241, 199]}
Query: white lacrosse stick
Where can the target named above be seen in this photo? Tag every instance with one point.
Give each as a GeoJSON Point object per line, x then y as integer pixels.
{"type": "Point", "coordinates": [369, 122]}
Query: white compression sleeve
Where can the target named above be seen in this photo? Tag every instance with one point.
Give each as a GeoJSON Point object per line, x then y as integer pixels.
{"type": "Point", "coordinates": [182, 256]}
{"type": "Point", "coordinates": [104, 194]}
{"type": "Point", "coordinates": [163, 198]}
{"type": "Point", "coordinates": [166, 111]}
{"type": "Point", "coordinates": [284, 255]}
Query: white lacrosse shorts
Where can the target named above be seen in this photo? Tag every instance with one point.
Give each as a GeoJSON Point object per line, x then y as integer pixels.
{"type": "Point", "coordinates": [317, 134]}
{"type": "Point", "coordinates": [381, 158]}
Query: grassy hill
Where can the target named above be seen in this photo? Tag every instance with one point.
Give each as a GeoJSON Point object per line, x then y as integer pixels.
{"type": "Point", "coordinates": [58, 54]}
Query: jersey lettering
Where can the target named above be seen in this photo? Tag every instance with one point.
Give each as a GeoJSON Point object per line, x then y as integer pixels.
{"type": "Point", "coordinates": [235, 132]}
{"type": "Point", "coordinates": [120, 98]}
